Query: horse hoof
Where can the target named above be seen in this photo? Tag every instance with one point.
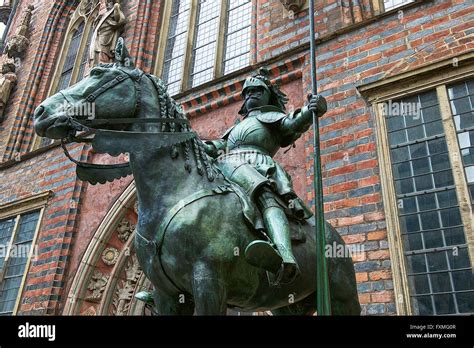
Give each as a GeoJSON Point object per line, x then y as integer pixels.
{"type": "Point", "coordinates": [262, 254]}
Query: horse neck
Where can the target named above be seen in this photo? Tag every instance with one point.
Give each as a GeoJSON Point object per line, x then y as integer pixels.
{"type": "Point", "coordinates": [161, 181]}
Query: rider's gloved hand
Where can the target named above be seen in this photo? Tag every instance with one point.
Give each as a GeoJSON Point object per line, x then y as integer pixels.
{"type": "Point", "coordinates": [317, 104]}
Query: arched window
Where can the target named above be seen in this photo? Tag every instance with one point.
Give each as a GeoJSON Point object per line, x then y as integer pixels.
{"type": "Point", "coordinates": [203, 40]}
{"type": "Point", "coordinates": [73, 60]}
{"type": "Point", "coordinates": [74, 57]}
{"type": "Point", "coordinates": [71, 57]}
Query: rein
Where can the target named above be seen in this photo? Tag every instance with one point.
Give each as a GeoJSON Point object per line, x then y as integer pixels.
{"type": "Point", "coordinates": [113, 142]}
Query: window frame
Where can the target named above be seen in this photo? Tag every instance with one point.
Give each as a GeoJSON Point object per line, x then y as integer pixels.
{"type": "Point", "coordinates": [15, 210]}
{"type": "Point", "coordinates": [433, 76]}
{"type": "Point", "coordinates": [186, 81]}
{"type": "Point", "coordinates": [77, 18]}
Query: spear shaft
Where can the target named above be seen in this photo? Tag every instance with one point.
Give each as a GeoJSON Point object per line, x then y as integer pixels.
{"type": "Point", "coordinates": [322, 278]}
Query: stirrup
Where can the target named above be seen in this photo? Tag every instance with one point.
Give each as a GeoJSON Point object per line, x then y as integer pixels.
{"type": "Point", "coordinates": [276, 279]}
{"type": "Point", "coordinates": [262, 254]}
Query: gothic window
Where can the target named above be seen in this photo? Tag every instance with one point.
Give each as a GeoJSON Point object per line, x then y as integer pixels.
{"type": "Point", "coordinates": [176, 45]}
{"type": "Point", "coordinates": [16, 239]}
{"type": "Point", "coordinates": [71, 56]}
{"type": "Point", "coordinates": [74, 55]}
{"type": "Point", "coordinates": [204, 40]}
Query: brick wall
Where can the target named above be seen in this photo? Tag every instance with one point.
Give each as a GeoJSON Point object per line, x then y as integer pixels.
{"type": "Point", "coordinates": [354, 47]}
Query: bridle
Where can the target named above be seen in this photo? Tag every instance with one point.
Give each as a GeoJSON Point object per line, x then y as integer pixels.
{"type": "Point", "coordinates": [114, 142]}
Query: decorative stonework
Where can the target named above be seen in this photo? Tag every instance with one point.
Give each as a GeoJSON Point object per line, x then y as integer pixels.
{"type": "Point", "coordinates": [5, 11]}
{"type": "Point", "coordinates": [293, 5]}
{"type": "Point", "coordinates": [17, 44]}
{"type": "Point", "coordinates": [126, 288]}
{"type": "Point", "coordinates": [15, 49]}
{"type": "Point", "coordinates": [110, 256]}
{"type": "Point", "coordinates": [97, 285]}
{"type": "Point", "coordinates": [86, 6]}
{"type": "Point", "coordinates": [106, 34]}
{"type": "Point", "coordinates": [125, 230]}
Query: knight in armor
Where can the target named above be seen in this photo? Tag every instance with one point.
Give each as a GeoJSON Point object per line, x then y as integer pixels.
{"type": "Point", "coordinates": [244, 155]}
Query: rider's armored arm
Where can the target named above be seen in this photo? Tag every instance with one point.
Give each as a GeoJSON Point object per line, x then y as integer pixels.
{"type": "Point", "coordinates": [295, 124]}
{"type": "Point", "coordinates": [299, 121]}
{"type": "Point", "coordinates": [214, 148]}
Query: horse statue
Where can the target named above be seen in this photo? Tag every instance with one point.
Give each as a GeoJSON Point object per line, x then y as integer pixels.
{"type": "Point", "coordinates": [193, 223]}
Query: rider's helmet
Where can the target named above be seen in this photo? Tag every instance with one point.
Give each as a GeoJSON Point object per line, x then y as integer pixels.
{"type": "Point", "coordinates": [277, 97]}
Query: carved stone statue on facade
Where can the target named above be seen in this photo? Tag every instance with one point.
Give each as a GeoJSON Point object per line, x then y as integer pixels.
{"type": "Point", "coordinates": [15, 49]}
{"type": "Point", "coordinates": [107, 32]}
{"type": "Point", "coordinates": [17, 44]}
{"type": "Point", "coordinates": [293, 5]}
{"type": "Point", "coordinates": [7, 82]}
{"type": "Point", "coordinates": [219, 224]}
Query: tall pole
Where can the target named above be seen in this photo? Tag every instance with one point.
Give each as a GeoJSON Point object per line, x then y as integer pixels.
{"type": "Point", "coordinates": [322, 278]}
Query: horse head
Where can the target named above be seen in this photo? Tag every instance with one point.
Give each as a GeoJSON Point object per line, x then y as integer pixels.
{"type": "Point", "coordinates": [108, 92]}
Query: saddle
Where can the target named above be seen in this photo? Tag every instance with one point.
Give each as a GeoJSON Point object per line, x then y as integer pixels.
{"type": "Point", "coordinates": [254, 218]}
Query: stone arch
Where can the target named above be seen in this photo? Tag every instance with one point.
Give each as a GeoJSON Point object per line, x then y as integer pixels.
{"type": "Point", "coordinates": [108, 275]}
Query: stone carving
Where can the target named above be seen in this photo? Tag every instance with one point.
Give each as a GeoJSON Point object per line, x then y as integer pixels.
{"type": "Point", "coordinates": [15, 49]}
{"type": "Point", "coordinates": [86, 6]}
{"type": "Point", "coordinates": [124, 230]}
{"type": "Point", "coordinates": [17, 45]}
{"type": "Point", "coordinates": [5, 11]}
{"type": "Point", "coordinates": [7, 82]}
{"type": "Point", "coordinates": [110, 256]}
{"type": "Point", "coordinates": [125, 290]}
{"type": "Point", "coordinates": [107, 33]}
{"type": "Point", "coordinates": [97, 285]}
{"type": "Point", "coordinates": [293, 5]}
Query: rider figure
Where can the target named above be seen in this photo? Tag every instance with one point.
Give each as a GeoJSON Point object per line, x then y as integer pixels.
{"type": "Point", "coordinates": [245, 153]}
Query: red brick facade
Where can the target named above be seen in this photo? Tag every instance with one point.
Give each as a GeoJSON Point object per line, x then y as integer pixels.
{"type": "Point", "coordinates": [356, 45]}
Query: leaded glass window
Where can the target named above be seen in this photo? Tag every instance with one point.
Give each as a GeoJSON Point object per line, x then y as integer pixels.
{"type": "Point", "coordinates": [85, 56]}
{"type": "Point", "coordinates": [439, 272]}
{"type": "Point", "coordinates": [391, 4]}
{"type": "Point", "coordinates": [237, 46]}
{"type": "Point", "coordinates": [205, 38]}
{"type": "Point", "coordinates": [176, 45]}
{"type": "Point", "coordinates": [72, 52]}
{"type": "Point", "coordinates": [20, 230]}
{"type": "Point", "coordinates": [461, 98]}
{"type": "Point", "coordinates": [218, 43]}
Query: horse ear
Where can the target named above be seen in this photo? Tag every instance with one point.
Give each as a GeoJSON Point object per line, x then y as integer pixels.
{"type": "Point", "coordinates": [122, 56]}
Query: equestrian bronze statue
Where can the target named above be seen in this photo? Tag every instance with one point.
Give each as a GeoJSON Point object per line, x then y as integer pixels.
{"type": "Point", "coordinates": [219, 224]}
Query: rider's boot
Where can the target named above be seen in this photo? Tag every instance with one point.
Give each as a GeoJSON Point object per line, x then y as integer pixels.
{"type": "Point", "coordinates": [278, 229]}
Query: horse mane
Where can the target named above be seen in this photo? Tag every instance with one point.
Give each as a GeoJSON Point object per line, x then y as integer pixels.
{"type": "Point", "coordinates": [169, 108]}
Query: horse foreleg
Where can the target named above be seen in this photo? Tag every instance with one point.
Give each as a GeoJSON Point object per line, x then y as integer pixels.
{"type": "Point", "coordinates": [209, 290]}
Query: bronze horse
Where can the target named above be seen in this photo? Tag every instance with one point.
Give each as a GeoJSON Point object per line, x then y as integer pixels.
{"type": "Point", "coordinates": [191, 229]}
